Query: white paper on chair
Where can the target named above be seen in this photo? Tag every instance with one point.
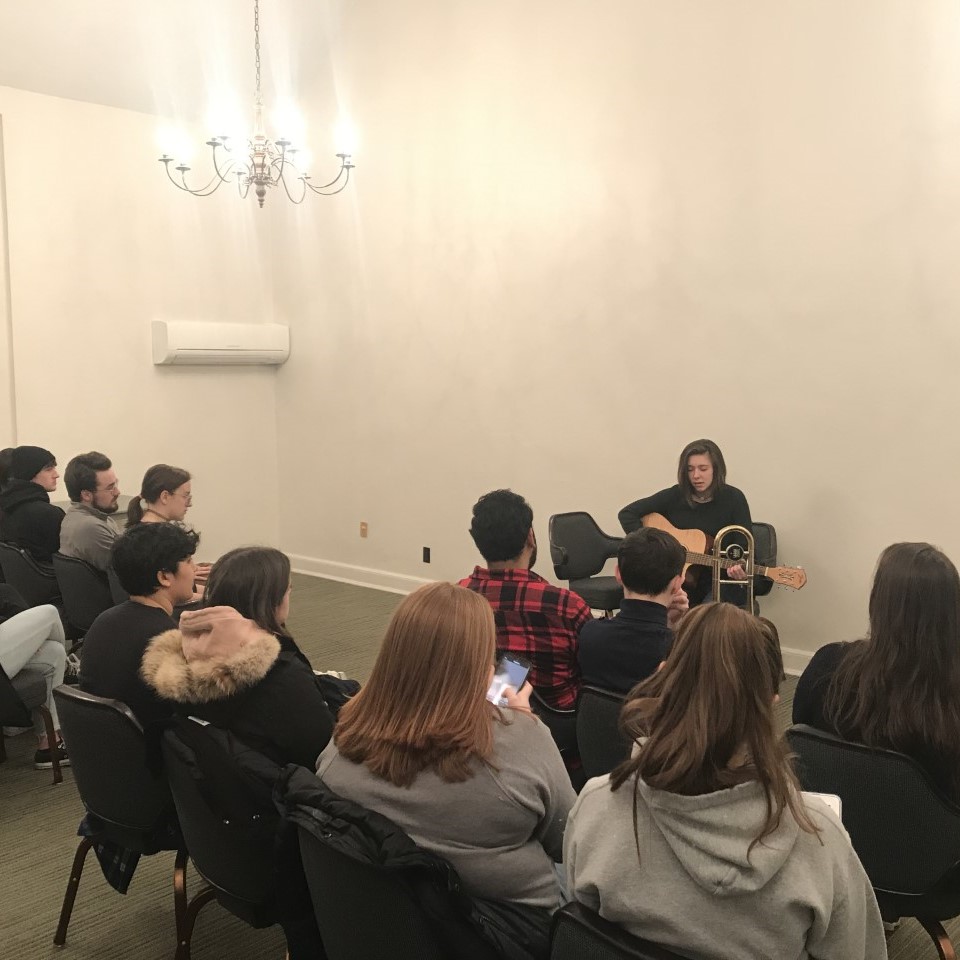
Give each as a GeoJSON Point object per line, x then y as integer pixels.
{"type": "Point", "coordinates": [830, 799]}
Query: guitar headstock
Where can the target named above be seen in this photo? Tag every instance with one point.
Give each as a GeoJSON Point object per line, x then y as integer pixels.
{"type": "Point", "coordinates": [793, 577]}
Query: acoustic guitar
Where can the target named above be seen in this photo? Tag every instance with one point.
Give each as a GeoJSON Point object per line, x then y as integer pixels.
{"type": "Point", "coordinates": [698, 544]}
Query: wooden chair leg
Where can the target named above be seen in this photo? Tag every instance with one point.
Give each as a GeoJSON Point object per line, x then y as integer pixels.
{"type": "Point", "coordinates": [939, 937]}
{"type": "Point", "coordinates": [60, 937]}
{"type": "Point", "coordinates": [3, 747]}
{"type": "Point", "coordinates": [185, 913]}
{"type": "Point", "coordinates": [52, 744]}
{"type": "Point", "coordinates": [199, 901]}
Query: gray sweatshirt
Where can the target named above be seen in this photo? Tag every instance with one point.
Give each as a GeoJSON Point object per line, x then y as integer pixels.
{"type": "Point", "coordinates": [502, 829]}
{"type": "Point", "coordinates": [695, 889]}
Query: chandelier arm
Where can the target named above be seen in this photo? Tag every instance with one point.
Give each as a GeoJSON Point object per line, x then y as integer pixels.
{"type": "Point", "coordinates": [324, 192]}
{"type": "Point", "coordinates": [213, 185]}
{"type": "Point", "coordinates": [286, 190]}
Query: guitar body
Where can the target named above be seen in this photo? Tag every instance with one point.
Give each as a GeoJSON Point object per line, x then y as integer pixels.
{"type": "Point", "coordinates": [693, 541]}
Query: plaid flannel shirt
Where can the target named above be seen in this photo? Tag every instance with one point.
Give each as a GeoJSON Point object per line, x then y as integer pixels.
{"type": "Point", "coordinates": [540, 622]}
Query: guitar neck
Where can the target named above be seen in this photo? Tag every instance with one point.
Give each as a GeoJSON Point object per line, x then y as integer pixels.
{"type": "Point", "coordinates": [705, 559]}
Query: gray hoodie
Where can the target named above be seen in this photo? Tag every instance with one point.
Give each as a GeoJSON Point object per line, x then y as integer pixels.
{"type": "Point", "coordinates": [696, 890]}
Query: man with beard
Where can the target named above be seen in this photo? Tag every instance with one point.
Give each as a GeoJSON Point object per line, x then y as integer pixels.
{"type": "Point", "coordinates": [89, 531]}
{"type": "Point", "coordinates": [534, 619]}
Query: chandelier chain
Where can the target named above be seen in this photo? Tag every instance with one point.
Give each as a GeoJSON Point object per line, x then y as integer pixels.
{"type": "Point", "coordinates": [256, 45]}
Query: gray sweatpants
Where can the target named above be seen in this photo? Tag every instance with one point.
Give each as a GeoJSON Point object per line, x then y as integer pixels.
{"type": "Point", "coordinates": [35, 637]}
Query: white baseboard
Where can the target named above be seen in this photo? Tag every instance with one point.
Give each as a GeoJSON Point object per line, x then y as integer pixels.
{"type": "Point", "coordinates": [795, 661]}
{"type": "Point", "coordinates": [358, 576]}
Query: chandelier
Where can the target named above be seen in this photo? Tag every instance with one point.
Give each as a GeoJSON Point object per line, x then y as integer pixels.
{"type": "Point", "coordinates": [262, 162]}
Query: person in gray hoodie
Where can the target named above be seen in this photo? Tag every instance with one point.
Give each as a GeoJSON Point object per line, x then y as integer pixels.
{"type": "Point", "coordinates": [701, 841]}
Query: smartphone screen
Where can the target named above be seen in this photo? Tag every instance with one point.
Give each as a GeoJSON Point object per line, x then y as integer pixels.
{"type": "Point", "coordinates": [511, 671]}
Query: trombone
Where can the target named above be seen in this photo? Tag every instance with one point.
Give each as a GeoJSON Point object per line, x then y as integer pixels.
{"type": "Point", "coordinates": [729, 555]}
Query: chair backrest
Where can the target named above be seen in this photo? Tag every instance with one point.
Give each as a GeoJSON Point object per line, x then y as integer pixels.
{"type": "Point", "coordinates": [601, 744]}
{"type": "Point", "coordinates": [765, 544]}
{"type": "Point", "coordinates": [22, 572]}
{"type": "Point", "coordinates": [229, 830]}
{"type": "Point", "coordinates": [582, 934]}
{"type": "Point", "coordinates": [905, 832]}
{"type": "Point", "coordinates": [363, 911]}
{"type": "Point", "coordinates": [109, 757]}
{"type": "Point", "coordinates": [117, 593]}
{"type": "Point", "coordinates": [578, 547]}
{"type": "Point", "coordinates": [86, 593]}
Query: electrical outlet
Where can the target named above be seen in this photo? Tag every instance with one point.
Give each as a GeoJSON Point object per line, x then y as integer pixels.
{"type": "Point", "coordinates": [363, 529]}
{"type": "Point", "coordinates": [426, 554]}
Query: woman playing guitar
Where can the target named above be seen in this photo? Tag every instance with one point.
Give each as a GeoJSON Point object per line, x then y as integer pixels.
{"type": "Point", "coordinates": [700, 500]}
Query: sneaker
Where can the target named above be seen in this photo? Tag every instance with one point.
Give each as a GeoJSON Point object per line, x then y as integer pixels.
{"type": "Point", "coordinates": [71, 673]}
{"type": "Point", "coordinates": [43, 760]}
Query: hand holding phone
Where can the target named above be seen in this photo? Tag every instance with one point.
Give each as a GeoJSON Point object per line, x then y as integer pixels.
{"type": "Point", "coordinates": [511, 673]}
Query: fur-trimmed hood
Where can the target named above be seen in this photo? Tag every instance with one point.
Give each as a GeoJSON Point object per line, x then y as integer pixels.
{"type": "Point", "coordinates": [213, 655]}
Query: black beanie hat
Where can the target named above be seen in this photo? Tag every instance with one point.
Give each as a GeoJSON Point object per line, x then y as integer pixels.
{"type": "Point", "coordinates": [27, 462]}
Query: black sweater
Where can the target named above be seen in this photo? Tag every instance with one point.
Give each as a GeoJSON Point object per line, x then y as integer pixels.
{"type": "Point", "coordinates": [728, 506]}
{"type": "Point", "coordinates": [30, 520]}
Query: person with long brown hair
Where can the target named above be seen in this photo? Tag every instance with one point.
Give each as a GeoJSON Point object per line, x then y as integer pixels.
{"type": "Point", "coordinates": [701, 840]}
{"type": "Point", "coordinates": [898, 688]}
{"type": "Point", "coordinates": [701, 499]}
{"type": "Point", "coordinates": [477, 784]}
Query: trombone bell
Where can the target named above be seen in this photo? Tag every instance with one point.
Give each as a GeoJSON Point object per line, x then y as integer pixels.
{"type": "Point", "coordinates": [728, 554]}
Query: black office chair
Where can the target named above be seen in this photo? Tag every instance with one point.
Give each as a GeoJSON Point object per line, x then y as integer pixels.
{"type": "Point", "coordinates": [229, 826]}
{"type": "Point", "coordinates": [579, 549]}
{"type": "Point", "coordinates": [364, 911]}
{"type": "Point", "coordinates": [117, 593]}
{"type": "Point", "coordinates": [906, 833]}
{"type": "Point", "coordinates": [27, 577]}
{"type": "Point", "coordinates": [126, 797]}
{"type": "Point", "coordinates": [601, 744]}
{"type": "Point", "coordinates": [86, 593]}
{"type": "Point", "coordinates": [27, 691]}
{"type": "Point", "coordinates": [765, 548]}
{"type": "Point", "coordinates": [562, 725]}
{"type": "Point", "coordinates": [582, 934]}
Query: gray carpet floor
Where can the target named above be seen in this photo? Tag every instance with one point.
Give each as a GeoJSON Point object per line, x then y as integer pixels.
{"type": "Point", "coordinates": [339, 627]}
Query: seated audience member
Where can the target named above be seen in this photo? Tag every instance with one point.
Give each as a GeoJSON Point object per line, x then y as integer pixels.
{"type": "Point", "coordinates": [617, 654]}
{"type": "Point", "coordinates": [534, 618]}
{"type": "Point", "coordinates": [481, 786]}
{"type": "Point", "coordinates": [234, 664]}
{"type": "Point", "coordinates": [154, 564]}
{"type": "Point", "coordinates": [701, 840]}
{"type": "Point", "coordinates": [164, 496]}
{"type": "Point", "coordinates": [27, 517]}
{"type": "Point", "coordinates": [88, 529]}
{"type": "Point", "coordinates": [34, 638]}
{"type": "Point", "coordinates": [900, 687]}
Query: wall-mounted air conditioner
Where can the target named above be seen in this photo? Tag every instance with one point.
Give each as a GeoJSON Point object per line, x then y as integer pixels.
{"type": "Point", "coordinates": [199, 342]}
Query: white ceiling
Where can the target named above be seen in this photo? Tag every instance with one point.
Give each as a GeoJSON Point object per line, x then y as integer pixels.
{"type": "Point", "coordinates": [166, 58]}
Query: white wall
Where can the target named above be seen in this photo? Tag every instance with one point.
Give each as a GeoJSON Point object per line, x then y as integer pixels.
{"type": "Point", "coordinates": [100, 244]}
{"type": "Point", "coordinates": [580, 238]}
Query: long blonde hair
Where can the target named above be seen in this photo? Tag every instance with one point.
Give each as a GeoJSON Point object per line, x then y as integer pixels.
{"type": "Point", "coordinates": [424, 706]}
{"type": "Point", "coordinates": [708, 718]}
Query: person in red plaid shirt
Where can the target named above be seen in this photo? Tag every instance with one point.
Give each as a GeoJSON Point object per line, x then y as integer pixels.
{"type": "Point", "coordinates": [534, 618]}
